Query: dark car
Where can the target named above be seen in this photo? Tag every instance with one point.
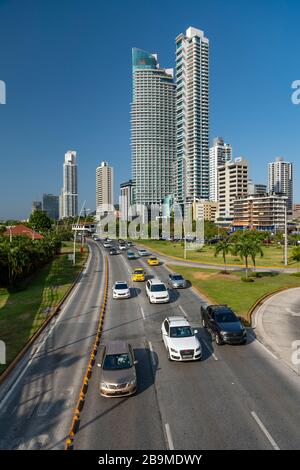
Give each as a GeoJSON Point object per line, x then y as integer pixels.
{"type": "Point", "coordinates": [223, 324]}
{"type": "Point", "coordinates": [113, 251]}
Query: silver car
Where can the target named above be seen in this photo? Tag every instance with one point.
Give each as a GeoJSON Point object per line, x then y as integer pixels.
{"type": "Point", "coordinates": [177, 281]}
{"type": "Point", "coordinates": [118, 374]}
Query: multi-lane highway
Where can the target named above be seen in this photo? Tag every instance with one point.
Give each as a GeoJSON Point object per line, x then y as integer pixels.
{"type": "Point", "coordinates": [38, 398]}
{"type": "Point", "coordinates": [237, 397]}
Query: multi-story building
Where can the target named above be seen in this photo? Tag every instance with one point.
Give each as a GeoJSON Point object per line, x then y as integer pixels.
{"type": "Point", "coordinates": [153, 115]}
{"type": "Point", "coordinates": [232, 183]}
{"type": "Point", "coordinates": [69, 193]}
{"type": "Point", "coordinates": [280, 180]}
{"type": "Point", "coordinates": [36, 206]}
{"type": "Point", "coordinates": [296, 211]}
{"type": "Point", "coordinates": [219, 154]}
{"type": "Point", "coordinates": [51, 205]}
{"type": "Point", "coordinates": [192, 116]}
{"type": "Point", "coordinates": [267, 212]}
{"type": "Point", "coordinates": [254, 188]}
{"type": "Point", "coordinates": [205, 210]}
{"type": "Point", "coordinates": [104, 185]}
{"type": "Point", "coordinates": [126, 199]}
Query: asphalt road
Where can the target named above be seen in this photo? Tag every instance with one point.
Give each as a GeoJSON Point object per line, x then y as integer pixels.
{"type": "Point", "coordinates": [237, 397]}
{"type": "Point", "coordinates": [277, 324]}
{"type": "Point", "coordinates": [38, 398]}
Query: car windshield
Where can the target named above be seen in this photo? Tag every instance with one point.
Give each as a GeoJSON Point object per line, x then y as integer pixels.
{"type": "Point", "coordinates": [121, 286]}
{"type": "Point", "coordinates": [158, 288]}
{"type": "Point", "coordinates": [117, 361]}
{"type": "Point", "coordinates": [226, 317]}
{"type": "Point", "coordinates": [180, 331]}
{"type": "Point", "coordinates": [177, 278]}
{"type": "Point", "coordinates": [138, 271]}
{"type": "Point", "coordinates": [153, 259]}
{"type": "Point", "coordinates": [130, 253]}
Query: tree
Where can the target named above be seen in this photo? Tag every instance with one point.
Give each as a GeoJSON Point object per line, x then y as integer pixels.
{"type": "Point", "coordinates": [296, 255]}
{"type": "Point", "coordinates": [256, 249]}
{"type": "Point", "coordinates": [224, 247]}
{"type": "Point", "coordinates": [39, 221]}
{"type": "Point", "coordinates": [244, 249]}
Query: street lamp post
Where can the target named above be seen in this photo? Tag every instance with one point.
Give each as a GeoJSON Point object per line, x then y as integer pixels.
{"type": "Point", "coordinates": [74, 245]}
{"type": "Point", "coordinates": [285, 237]}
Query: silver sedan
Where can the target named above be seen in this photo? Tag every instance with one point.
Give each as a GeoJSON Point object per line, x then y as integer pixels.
{"type": "Point", "coordinates": [177, 281]}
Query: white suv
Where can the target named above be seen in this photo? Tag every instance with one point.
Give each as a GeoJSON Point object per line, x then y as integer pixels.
{"type": "Point", "coordinates": [180, 340]}
{"type": "Point", "coordinates": [157, 292]}
{"type": "Point", "coordinates": [121, 290]}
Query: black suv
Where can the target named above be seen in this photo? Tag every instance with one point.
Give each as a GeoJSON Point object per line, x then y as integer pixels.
{"type": "Point", "coordinates": [223, 324]}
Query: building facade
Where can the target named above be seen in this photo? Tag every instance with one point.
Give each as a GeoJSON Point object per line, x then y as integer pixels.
{"type": "Point", "coordinates": [126, 200]}
{"type": "Point", "coordinates": [232, 184]}
{"type": "Point", "coordinates": [51, 205]}
{"type": "Point", "coordinates": [254, 189]}
{"type": "Point", "coordinates": [205, 210]}
{"type": "Point", "coordinates": [258, 212]}
{"type": "Point", "coordinates": [153, 144]}
{"type": "Point", "coordinates": [219, 154]}
{"type": "Point", "coordinates": [280, 180]}
{"type": "Point", "coordinates": [192, 116]}
{"type": "Point", "coordinates": [69, 193]}
{"type": "Point", "coordinates": [36, 206]}
{"type": "Point", "coordinates": [104, 185]}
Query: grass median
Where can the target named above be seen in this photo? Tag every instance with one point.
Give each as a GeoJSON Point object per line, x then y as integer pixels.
{"type": "Point", "coordinates": [24, 309]}
{"type": "Point", "coordinates": [231, 290]}
{"type": "Point", "coordinates": [273, 255]}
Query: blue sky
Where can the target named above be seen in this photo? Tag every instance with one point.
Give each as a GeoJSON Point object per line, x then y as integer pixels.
{"type": "Point", "coordinates": [66, 64]}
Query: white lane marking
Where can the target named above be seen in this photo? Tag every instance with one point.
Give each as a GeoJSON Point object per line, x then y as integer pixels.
{"type": "Point", "coordinates": [12, 388]}
{"type": "Point", "coordinates": [265, 431]}
{"type": "Point", "coordinates": [263, 346]}
{"type": "Point", "coordinates": [152, 354]}
{"type": "Point", "coordinates": [210, 350]}
{"type": "Point", "coordinates": [183, 311]}
{"type": "Point", "coordinates": [169, 437]}
{"type": "Point", "coordinates": [143, 313]}
{"type": "Point", "coordinates": [127, 266]}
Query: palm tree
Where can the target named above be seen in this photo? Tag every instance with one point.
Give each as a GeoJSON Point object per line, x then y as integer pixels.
{"type": "Point", "coordinates": [244, 249]}
{"type": "Point", "coordinates": [296, 255]}
{"type": "Point", "coordinates": [256, 250]}
{"type": "Point", "coordinates": [224, 247]}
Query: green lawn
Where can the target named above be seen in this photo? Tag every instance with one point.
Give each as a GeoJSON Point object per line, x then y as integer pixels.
{"type": "Point", "coordinates": [230, 289]}
{"type": "Point", "coordinates": [67, 247]}
{"type": "Point", "coordinates": [24, 310]}
{"type": "Point", "coordinates": [273, 255]}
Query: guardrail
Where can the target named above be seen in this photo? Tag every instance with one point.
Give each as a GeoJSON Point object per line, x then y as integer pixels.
{"type": "Point", "coordinates": [84, 387]}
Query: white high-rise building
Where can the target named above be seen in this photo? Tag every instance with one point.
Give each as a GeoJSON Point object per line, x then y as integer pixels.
{"type": "Point", "coordinates": [69, 194]}
{"type": "Point", "coordinates": [232, 184]}
{"type": "Point", "coordinates": [280, 180]}
{"type": "Point", "coordinates": [219, 154]}
{"type": "Point", "coordinates": [126, 200]}
{"type": "Point", "coordinates": [104, 185]}
{"type": "Point", "coordinates": [153, 144]}
{"type": "Point", "coordinates": [192, 116]}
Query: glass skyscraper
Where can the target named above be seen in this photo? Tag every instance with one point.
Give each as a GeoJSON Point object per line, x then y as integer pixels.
{"type": "Point", "coordinates": [153, 121]}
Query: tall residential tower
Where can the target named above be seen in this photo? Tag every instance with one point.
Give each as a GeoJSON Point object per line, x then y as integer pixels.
{"type": "Point", "coordinates": [192, 116]}
{"type": "Point", "coordinates": [280, 180]}
{"type": "Point", "coordinates": [104, 185]}
{"type": "Point", "coordinates": [153, 144]}
{"type": "Point", "coordinates": [219, 154]}
{"type": "Point", "coordinates": [69, 193]}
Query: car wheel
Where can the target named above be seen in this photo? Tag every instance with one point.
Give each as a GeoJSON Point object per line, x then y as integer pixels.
{"type": "Point", "coordinates": [218, 340]}
{"type": "Point", "coordinates": [244, 342]}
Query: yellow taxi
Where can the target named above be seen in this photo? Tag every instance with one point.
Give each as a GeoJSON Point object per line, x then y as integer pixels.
{"type": "Point", "coordinates": [138, 275]}
{"type": "Point", "coordinates": [153, 261]}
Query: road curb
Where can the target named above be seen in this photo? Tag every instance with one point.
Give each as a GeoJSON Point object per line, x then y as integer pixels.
{"type": "Point", "coordinates": [85, 383]}
{"type": "Point", "coordinates": [262, 299]}
{"type": "Point", "coordinates": [34, 337]}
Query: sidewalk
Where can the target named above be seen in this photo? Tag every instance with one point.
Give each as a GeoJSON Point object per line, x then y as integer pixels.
{"type": "Point", "coordinates": [276, 324]}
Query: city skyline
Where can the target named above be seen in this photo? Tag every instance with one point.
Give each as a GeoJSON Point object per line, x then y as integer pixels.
{"type": "Point", "coordinates": [45, 138]}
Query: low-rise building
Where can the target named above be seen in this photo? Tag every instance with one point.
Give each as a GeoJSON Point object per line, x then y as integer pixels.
{"type": "Point", "coordinates": [205, 210]}
{"type": "Point", "coordinates": [256, 212]}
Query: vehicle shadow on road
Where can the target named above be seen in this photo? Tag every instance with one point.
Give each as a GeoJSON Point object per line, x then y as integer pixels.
{"type": "Point", "coordinates": [146, 368]}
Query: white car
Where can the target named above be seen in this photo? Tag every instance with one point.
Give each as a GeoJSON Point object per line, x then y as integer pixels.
{"type": "Point", "coordinates": [107, 244]}
{"type": "Point", "coordinates": [143, 252]}
{"type": "Point", "coordinates": [180, 340]}
{"type": "Point", "coordinates": [122, 247]}
{"type": "Point", "coordinates": [121, 290]}
{"type": "Point", "coordinates": [157, 292]}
